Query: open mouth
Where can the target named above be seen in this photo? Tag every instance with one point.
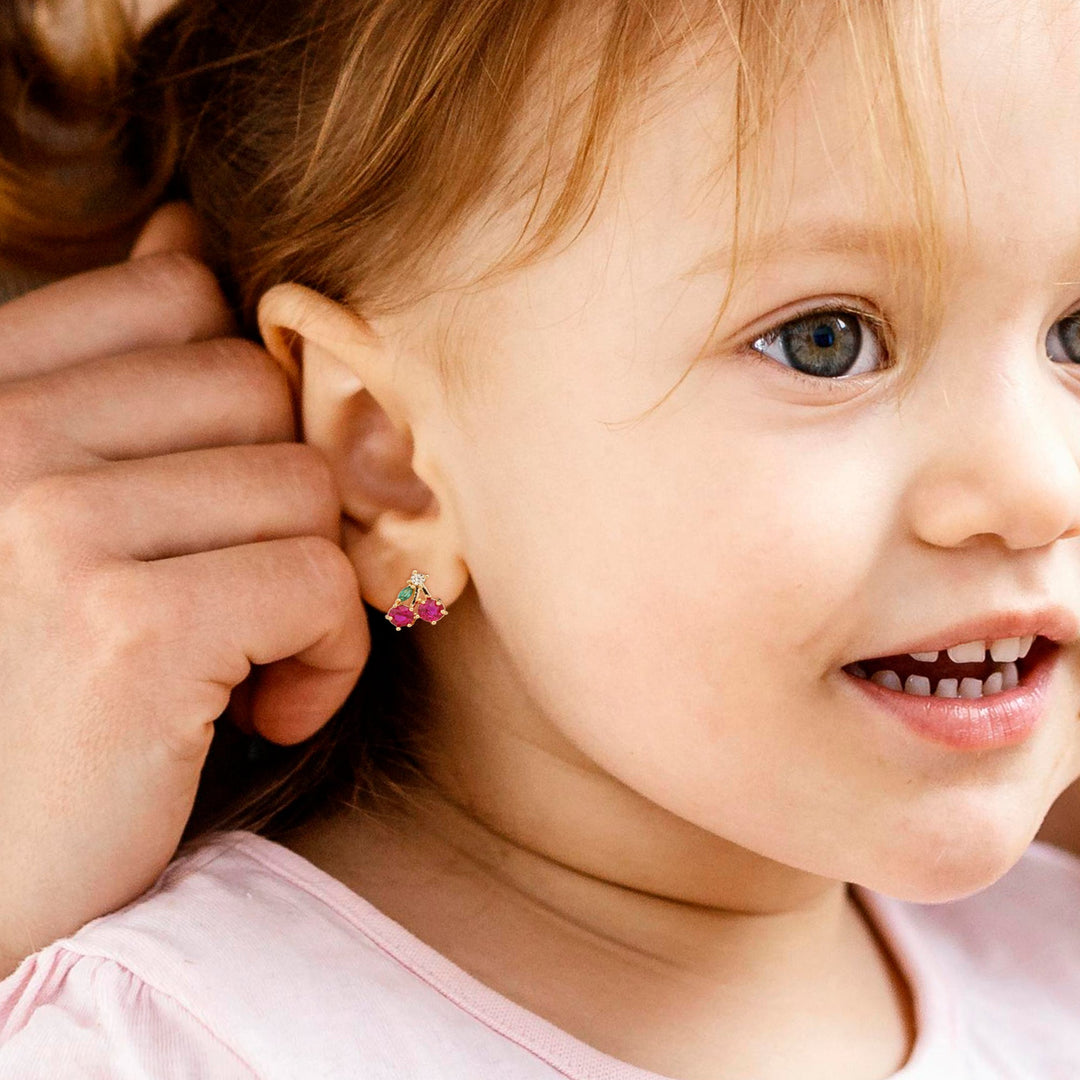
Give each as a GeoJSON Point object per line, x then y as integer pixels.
{"type": "Point", "coordinates": [945, 677]}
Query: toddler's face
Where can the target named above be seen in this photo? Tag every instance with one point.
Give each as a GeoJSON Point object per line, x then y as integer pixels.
{"type": "Point", "coordinates": [670, 603]}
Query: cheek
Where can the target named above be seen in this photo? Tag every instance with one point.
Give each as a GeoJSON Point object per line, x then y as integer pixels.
{"type": "Point", "coordinates": [673, 589]}
{"type": "Point", "coordinates": [676, 600]}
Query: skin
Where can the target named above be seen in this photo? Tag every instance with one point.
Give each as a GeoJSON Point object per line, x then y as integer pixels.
{"type": "Point", "coordinates": [156, 546]}
{"type": "Point", "coordinates": [650, 780]}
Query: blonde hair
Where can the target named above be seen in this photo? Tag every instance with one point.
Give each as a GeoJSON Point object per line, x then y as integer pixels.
{"type": "Point", "coordinates": [344, 144]}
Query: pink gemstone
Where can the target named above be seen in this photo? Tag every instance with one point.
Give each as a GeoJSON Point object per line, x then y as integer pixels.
{"type": "Point", "coordinates": [401, 615]}
{"type": "Point", "coordinates": [431, 611]}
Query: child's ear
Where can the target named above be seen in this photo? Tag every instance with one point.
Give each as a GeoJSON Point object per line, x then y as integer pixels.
{"type": "Point", "coordinates": [355, 407]}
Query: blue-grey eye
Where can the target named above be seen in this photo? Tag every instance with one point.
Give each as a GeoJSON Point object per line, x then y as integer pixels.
{"type": "Point", "coordinates": [827, 343]}
{"type": "Point", "coordinates": [1068, 337]}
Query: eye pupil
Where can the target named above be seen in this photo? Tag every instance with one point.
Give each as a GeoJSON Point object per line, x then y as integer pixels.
{"type": "Point", "coordinates": [824, 336]}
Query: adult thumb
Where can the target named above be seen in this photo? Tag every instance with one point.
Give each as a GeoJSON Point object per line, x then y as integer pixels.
{"type": "Point", "coordinates": [172, 227]}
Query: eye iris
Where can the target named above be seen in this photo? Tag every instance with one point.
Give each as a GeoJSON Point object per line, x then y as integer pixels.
{"type": "Point", "coordinates": [822, 344]}
{"type": "Point", "coordinates": [1070, 337]}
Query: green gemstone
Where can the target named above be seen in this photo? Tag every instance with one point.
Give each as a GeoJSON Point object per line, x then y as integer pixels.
{"type": "Point", "coordinates": [405, 593]}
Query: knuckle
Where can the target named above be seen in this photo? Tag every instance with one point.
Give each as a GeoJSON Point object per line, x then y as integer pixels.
{"type": "Point", "coordinates": [48, 525]}
{"type": "Point", "coordinates": [20, 437]}
{"type": "Point", "coordinates": [122, 626]}
{"type": "Point", "coordinates": [46, 510]}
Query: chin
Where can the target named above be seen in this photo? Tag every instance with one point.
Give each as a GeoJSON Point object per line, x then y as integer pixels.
{"type": "Point", "coordinates": [933, 865]}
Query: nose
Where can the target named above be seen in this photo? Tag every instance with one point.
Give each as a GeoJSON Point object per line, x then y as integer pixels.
{"type": "Point", "coordinates": [998, 441]}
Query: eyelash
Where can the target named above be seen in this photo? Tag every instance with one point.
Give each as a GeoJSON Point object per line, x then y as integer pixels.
{"type": "Point", "coordinates": [833, 307]}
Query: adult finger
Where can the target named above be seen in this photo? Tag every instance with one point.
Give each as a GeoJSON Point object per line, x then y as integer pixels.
{"type": "Point", "coordinates": [168, 298]}
{"type": "Point", "coordinates": [161, 401]}
{"type": "Point", "coordinates": [159, 508]}
{"type": "Point", "coordinates": [295, 600]}
{"type": "Point", "coordinates": [172, 227]}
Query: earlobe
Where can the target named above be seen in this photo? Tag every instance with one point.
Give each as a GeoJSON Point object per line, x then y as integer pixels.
{"type": "Point", "coordinates": [352, 411]}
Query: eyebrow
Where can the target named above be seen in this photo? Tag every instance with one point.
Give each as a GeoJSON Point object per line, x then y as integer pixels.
{"type": "Point", "coordinates": [830, 238]}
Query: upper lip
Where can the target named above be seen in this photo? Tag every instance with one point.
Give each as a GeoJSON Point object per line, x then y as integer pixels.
{"type": "Point", "coordinates": [1056, 623]}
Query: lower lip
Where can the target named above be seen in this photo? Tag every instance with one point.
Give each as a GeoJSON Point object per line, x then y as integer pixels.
{"type": "Point", "coordinates": [971, 723]}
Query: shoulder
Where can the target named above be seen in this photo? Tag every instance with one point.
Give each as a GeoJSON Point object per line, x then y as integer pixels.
{"type": "Point", "coordinates": [64, 1013]}
{"type": "Point", "coordinates": [282, 967]}
{"type": "Point", "coordinates": [125, 993]}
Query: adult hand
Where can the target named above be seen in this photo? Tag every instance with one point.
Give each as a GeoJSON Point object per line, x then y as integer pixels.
{"type": "Point", "coordinates": [161, 531]}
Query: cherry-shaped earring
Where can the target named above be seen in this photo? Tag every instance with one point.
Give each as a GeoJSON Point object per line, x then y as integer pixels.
{"type": "Point", "coordinates": [415, 601]}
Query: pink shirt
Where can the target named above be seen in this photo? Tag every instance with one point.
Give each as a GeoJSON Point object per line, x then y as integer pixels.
{"type": "Point", "coordinates": [245, 960]}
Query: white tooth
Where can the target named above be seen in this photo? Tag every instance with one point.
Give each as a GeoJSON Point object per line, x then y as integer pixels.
{"type": "Point", "coordinates": [887, 678]}
{"type": "Point", "coordinates": [1025, 645]}
{"type": "Point", "coordinates": [971, 652]}
{"type": "Point", "coordinates": [971, 688]}
{"type": "Point", "coordinates": [1012, 676]}
{"type": "Point", "coordinates": [1005, 649]}
{"type": "Point", "coordinates": [946, 688]}
{"type": "Point", "coordinates": [917, 684]}
{"type": "Point", "coordinates": [992, 684]}
{"type": "Point", "coordinates": [926, 657]}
